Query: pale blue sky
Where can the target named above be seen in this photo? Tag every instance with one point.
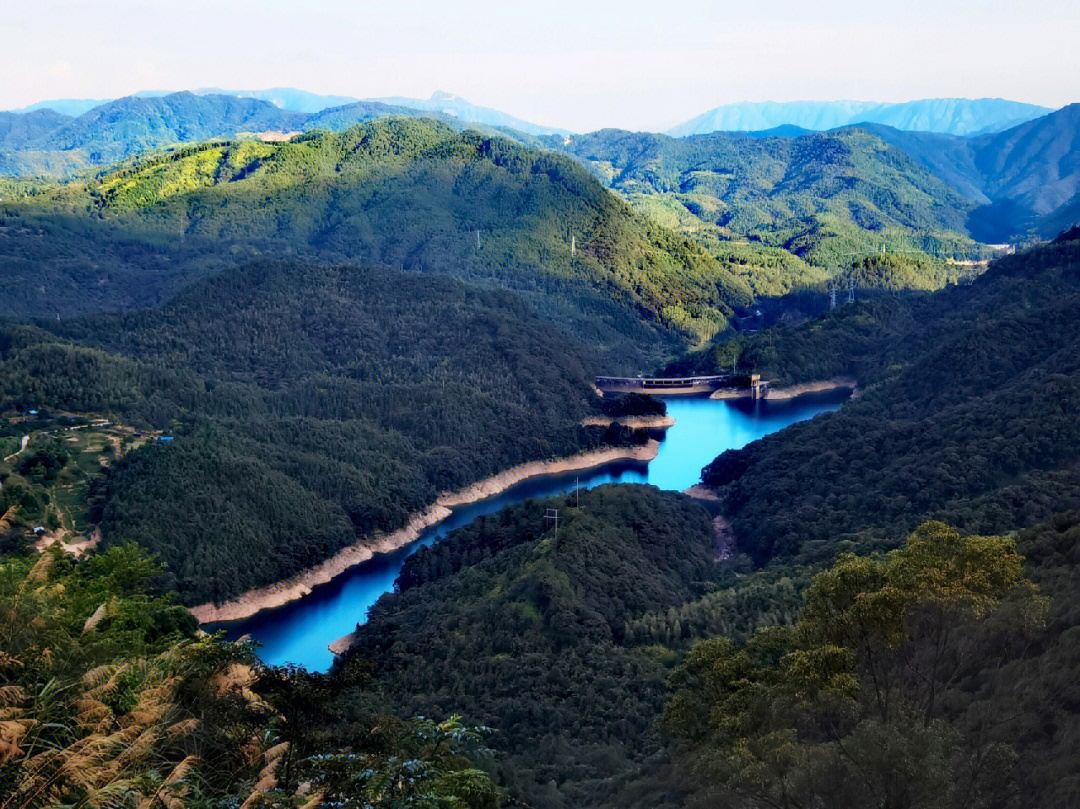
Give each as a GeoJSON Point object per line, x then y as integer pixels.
{"type": "Point", "coordinates": [583, 65]}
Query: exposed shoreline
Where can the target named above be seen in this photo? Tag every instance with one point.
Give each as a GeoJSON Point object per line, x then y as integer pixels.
{"type": "Point", "coordinates": [700, 491]}
{"type": "Point", "coordinates": [300, 585]}
{"type": "Point", "coordinates": [633, 422]}
{"type": "Point", "coordinates": [790, 392]}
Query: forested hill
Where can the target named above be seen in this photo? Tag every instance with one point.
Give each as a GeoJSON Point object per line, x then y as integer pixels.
{"type": "Point", "coordinates": [309, 407]}
{"type": "Point", "coordinates": [399, 193]}
{"type": "Point", "coordinates": [1025, 180]}
{"type": "Point", "coordinates": [968, 415]}
{"type": "Point", "coordinates": [525, 630]}
{"type": "Point", "coordinates": [820, 196]}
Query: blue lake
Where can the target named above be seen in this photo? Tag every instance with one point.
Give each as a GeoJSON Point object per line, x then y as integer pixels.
{"type": "Point", "coordinates": [299, 632]}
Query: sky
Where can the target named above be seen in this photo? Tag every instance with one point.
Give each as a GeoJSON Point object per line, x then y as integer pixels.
{"type": "Point", "coordinates": [581, 65]}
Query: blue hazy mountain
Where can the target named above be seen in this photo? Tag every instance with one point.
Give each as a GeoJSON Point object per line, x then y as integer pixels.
{"type": "Point", "coordinates": [44, 142]}
{"type": "Point", "coordinates": [455, 107]}
{"type": "Point", "coordinates": [293, 100]}
{"type": "Point", "coordinates": [952, 116]}
{"type": "Point", "coordinates": [66, 106]}
{"type": "Point", "coordinates": [285, 98]}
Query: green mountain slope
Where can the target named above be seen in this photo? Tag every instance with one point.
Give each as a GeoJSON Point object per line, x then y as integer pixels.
{"type": "Point", "coordinates": [525, 631]}
{"type": "Point", "coordinates": [819, 196]}
{"type": "Point", "coordinates": [401, 193]}
{"type": "Point", "coordinates": [1024, 179]}
{"type": "Point", "coordinates": [44, 142]}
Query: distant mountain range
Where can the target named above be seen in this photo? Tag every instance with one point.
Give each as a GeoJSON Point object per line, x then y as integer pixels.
{"type": "Point", "coordinates": [995, 188]}
{"type": "Point", "coordinates": [952, 116]}
{"type": "Point", "coordinates": [46, 142]}
{"type": "Point", "coordinates": [1022, 180]}
{"type": "Point", "coordinates": [293, 100]}
{"type": "Point", "coordinates": [1026, 179]}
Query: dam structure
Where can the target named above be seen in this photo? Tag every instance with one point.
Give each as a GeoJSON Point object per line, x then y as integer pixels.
{"type": "Point", "coordinates": [752, 385]}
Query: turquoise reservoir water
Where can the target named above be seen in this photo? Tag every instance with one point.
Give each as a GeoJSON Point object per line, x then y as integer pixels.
{"type": "Point", "coordinates": [299, 632]}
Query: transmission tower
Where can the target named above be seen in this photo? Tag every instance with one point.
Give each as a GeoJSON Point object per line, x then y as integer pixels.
{"type": "Point", "coordinates": [851, 289]}
{"type": "Point", "coordinates": [832, 296]}
{"type": "Point", "coordinates": [552, 514]}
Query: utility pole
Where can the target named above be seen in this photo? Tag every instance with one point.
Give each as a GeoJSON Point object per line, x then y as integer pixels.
{"type": "Point", "coordinates": [552, 514]}
{"type": "Point", "coordinates": [573, 246]}
{"type": "Point", "coordinates": [577, 492]}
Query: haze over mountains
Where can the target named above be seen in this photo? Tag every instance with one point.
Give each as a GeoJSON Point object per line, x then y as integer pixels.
{"type": "Point", "coordinates": [951, 116]}
{"type": "Point", "coordinates": [994, 187]}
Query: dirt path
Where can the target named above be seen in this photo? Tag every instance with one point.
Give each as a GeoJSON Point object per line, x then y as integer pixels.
{"type": "Point", "coordinates": [633, 422]}
{"type": "Point", "coordinates": [25, 441]}
{"type": "Point", "coordinates": [725, 537]}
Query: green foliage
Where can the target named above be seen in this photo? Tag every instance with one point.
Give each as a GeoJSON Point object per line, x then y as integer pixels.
{"type": "Point", "coordinates": [633, 404]}
{"type": "Point", "coordinates": [108, 698]}
{"type": "Point", "coordinates": [403, 193]}
{"type": "Point", "coordinates": [311, 407]}
{"type": "Point", "coordinates": [43, 461]}
{"type": "Point", "coordinates": [857, 700]}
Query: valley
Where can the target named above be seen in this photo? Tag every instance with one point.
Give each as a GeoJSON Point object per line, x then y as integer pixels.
{"type": "Point", "coordinates": [376, 384]}
{"type": "Point", "coordinates": [302, 632]}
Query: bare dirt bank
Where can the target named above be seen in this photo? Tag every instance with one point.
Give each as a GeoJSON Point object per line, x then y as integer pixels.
{"type": "Point", "coordinates": [702, 492]}
{"type": "Point", "coordinates": [281, 593]}
{"type": "Point", "coordinates": [342, 644]}
{"type": "Point", "coordinates": [633, 422]}
{"type": "Point", "coordinates": [790, 392]}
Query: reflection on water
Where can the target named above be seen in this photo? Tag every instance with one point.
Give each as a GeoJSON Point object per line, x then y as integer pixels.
{"type": "Point", "coordinates": [299, 632]}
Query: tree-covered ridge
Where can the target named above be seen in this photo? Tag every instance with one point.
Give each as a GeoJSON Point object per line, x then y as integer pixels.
{"type": "Point", "coordinates": [819, 196]}
{"type": "Point", "coordinates": [400, 193]}
{"type": "Point", "coordinates": [966, 417]}
{"type": "Point", "coordinates": [525, 629]}
{"type": "Point", "coordinates": [109, 698]}
{"type": "Point", "coordinates": [43, 142]}
{"type": "Point", "coordinates": [310, 407]}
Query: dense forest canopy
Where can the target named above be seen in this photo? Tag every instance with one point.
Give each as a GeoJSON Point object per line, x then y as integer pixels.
{"type": "Point", "coordinates": [311, 407]}
{"type": "Point", "coordinates": [967, 414]}
{"type": "Point", "coordinates": [110, 698]}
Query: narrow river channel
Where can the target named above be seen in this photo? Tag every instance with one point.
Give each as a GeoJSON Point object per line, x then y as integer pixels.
{"type": "Point", "coordinates": [300, 632]}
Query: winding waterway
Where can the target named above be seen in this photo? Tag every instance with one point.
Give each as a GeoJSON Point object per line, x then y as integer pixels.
{"type": "Point", "coordinates": [299, 632]}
